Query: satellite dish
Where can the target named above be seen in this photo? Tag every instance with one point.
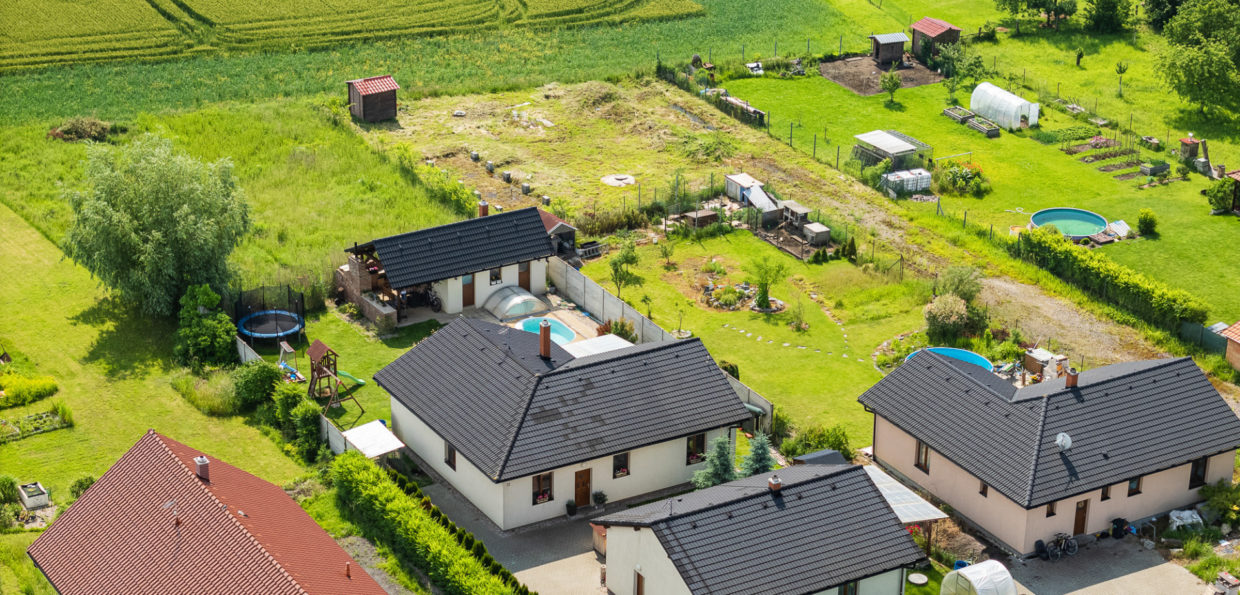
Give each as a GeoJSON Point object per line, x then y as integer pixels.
{"type": "Point", "coordinates": [1064, 441]}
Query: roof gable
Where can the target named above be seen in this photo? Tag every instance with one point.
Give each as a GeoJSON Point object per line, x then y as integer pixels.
{"type": "Point", "coordinates": [933, 27]}
{"type": "Point", "coordinates": [1233, 332]}
{"type": "Point", "coordinates": [464, 247]}
{"type": "Point", "coordinates": [374, 85]}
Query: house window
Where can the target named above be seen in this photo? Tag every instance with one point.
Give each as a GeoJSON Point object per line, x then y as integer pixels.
{"type": "Point", "coordinates": [497, 276]}
{"type": "Point", "coordinates": [1134, 486]}
{"type": "Point", "coordinates": [449, 455]}
{"type": "Point", "coordinates": [1050, 510]}
{"type": "Point", "coordinates": [923, 457]}
{"type": "Point", "coordinates": [849, 588]}
{"type": "Point", "coordinates": [695, 452]}
{"type": "Point", "coordinates": [542, 488]}
{"type": "Point", "coordinates": [984, 490]}
{"type": "Point", "coordinates": [1197, 474]}
{"type": "Point", "coordinates": [523, 267]}
{"type": "Point", "coordinates": [1106, 492]}
{"type": "Point", "coordinates": [620, 465]}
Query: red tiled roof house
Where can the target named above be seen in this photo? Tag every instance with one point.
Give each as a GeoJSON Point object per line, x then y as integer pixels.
{"type": "Point", "coordinates": [1232, 333]}
{"type": "Point", "coordinates": [166, 519]}
{"type": "Point", "coordinates": [373, 99]}
{"type": "Point", "coordinates": [937, 32]}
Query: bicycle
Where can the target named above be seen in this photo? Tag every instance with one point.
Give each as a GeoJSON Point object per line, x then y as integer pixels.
{"type": "Point", "coordinates": [1062, 544]}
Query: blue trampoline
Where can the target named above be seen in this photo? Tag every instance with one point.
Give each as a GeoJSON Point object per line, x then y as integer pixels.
{"type": "Point", "coordinates": [270, 324]}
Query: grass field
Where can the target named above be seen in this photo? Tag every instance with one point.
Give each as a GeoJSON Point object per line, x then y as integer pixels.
{"type": "Point", "coordinates": [813, 377]}
{"type": "Point", "coordinates": [17, 573]}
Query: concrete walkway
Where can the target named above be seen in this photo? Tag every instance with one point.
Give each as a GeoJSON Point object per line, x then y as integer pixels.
{"type": "Point", "coordinates": [1107, 567]}
{"type": "Point", "coordinates": [553, 558]}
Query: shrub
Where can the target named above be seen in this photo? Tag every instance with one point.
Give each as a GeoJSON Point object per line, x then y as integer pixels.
{"type": "Point", "coordinates": [816, 438]}
{"type": "Point", "coordinates": [719, 465]}
{"type": "Point", "coordinates": [204, 335]}
{"type": "Point", "coordinates": [1221, 194]}
{"type": "Point", "coordinates": [62, 411]}
{"type": "Point", "coordinates": [714, 267]}
{"type": "Point", "coordinates": [1147, 222]}
{"type": "Point", "coordinates": [873, 176]}
{"type": "Point", "coordinates": [82, 128]}
{"type": "Point", "coordinates": [287, 397]}
{"type": "Point", "coordinates": [964, 282]}
{"type": "Point", "coordinates": [254, 383]}
{"type": "Point", "coordinates": [728, 296]}
{"type": "Point", "coordinates": [20, 390]}
{"type": "Point", "coordinates": [80, 485]}
{"type": "Point", "coordinates": [946, 317]}
{"type": "Point", "coordinates": [759, 459]}
{"type": "Point", "coordinates": [731, 369]}
{"type": "Point", "coordinates": [988, 32]}
{"type": "Point", "coordinates": [1195, 548]}
{"type": "Point", "coordinates": [1223, 498]}
{"type": "Point", "coordinates": [624, 329]}
{"type": "Point", "coordinates": [351, 310]}
{"type": "Point", "coordinates": [403, 524]}
{"type": "Point", "coordinates": [961, 178]}
{"type": "Point", "coordinates": [1183, 171]}
{"type": "Point", "coordinates": [8, 489]}
{"type": "Point", "coordinates": [599, 497]}
{"type": "Point", "coordinates": [305, 424]}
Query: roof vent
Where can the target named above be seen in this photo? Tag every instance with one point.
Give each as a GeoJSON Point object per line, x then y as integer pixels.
{"type": "Point", "coordinates": [1064, 441]}
{"type": "Point", "coordinates": [774, 483]}
{"type": "Point", "coordinates": [202, 467]}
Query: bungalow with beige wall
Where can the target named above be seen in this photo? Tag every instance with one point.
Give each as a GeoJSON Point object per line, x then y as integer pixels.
{"type": "Point", "coordinates": [1129, 440]}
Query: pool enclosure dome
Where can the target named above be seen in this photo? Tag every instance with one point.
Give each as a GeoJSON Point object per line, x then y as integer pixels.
{"type": "Point", "coordinates": [1002, 107]}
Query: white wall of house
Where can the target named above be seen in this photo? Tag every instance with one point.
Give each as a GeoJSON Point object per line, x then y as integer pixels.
{"type": "Point", "coordinates": [1019, 528]}
{"type": "Point", "coordinates": [651, 468]}
{"type": "Point", "coordinates": [887, 583]}
{"type": "Point", "coordinates": [451, 294]}
{"type": "Point", "coordinates": [631, 550]}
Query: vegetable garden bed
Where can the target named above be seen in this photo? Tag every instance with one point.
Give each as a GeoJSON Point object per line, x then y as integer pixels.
{"type": "Point", "coordinates": [984, 126]}
{"type": "Point", "coordinates": [30, 425]}
{"type": "Point", "coordinates": [959, 114]}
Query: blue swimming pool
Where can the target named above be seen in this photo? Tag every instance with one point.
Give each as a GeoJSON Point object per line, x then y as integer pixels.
{"type": "Point", "coordinates": [963, 355]}
{"type": "Point", "coordinates": [1074, 223]}
{"type": "Point", "coordinates": [560, 333]}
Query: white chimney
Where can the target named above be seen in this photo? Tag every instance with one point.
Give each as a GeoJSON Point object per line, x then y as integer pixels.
{"type": "Point", "coordinates": [774, 483]}
{"type": "Point", "coordinates": [202, 467]}
{"type": "Point", "coordinates": [1063, 441]}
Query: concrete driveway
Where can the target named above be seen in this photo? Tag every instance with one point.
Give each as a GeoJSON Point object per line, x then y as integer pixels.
{"type": "Point", "coordinates": [553, 558]}
{"type": "Point", "coordinates": [1107, 567]}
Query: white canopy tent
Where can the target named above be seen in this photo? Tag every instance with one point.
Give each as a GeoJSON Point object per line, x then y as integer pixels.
{"type": "Point", "coordinates": [984, 578]}
{"type": "Point", "coordinates": [373, 440]}
{"type": "Point", "coordinates": [1001, 107]}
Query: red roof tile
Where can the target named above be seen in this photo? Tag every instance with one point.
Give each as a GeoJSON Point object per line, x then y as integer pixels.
{"type": "Point", "coordinates": [550, 221]}
{"type": "Point", "coordinates": [1235, 175]}
{"type": "Point", "coordinates": [1232, 332]}
{"type": "Point", "coordinates": [150, 525]}
{"type": "Point", "coordinates": [375, 84]}
{"type": "Point", "coordinates": [933, 27]}
{"type": "Point", "coordinates": [1190, 141]}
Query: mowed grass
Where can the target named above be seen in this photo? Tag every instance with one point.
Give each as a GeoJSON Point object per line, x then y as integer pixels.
{"type": "Point", "coordinates": [1026, 176]}
{"type": "Point", "coordinates": [113, 368]}
{"type": "Point", "coordinates": [817, 377]}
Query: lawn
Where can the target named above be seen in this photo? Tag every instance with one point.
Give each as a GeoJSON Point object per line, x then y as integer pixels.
{"type": "Point", "coordinates": [935, 574]}
{"type": "Point", "coordinates": [813, 377]}
{"type": "Point", "coordinates": [17, 572]}
{"type": "Point", "coordinates": [1026, 176]}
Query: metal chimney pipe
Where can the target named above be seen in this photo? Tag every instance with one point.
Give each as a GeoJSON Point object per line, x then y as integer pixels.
{"type": "Point", "coordinates": [544, 339]}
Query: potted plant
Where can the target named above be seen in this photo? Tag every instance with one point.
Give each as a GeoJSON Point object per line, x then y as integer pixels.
{"type": "Point", "coordinates": [621, 472]}
{"type": "Point", "coordinates": [600, 498]}
{"type": "Point", "coordinates": [695, 458]}
{"type": "Point", "coordinates": [571, 507]}
{"type": "Point", "coordinates": [542, 497]}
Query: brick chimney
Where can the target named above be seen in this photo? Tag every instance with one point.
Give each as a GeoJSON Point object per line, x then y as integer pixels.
{"type": "Point", "coordinates": [202, 467]}
{"type": "Point", "coordinates": [774, 483]}
{"type": "Point", "coordinates": [544, 339]}
{"type": "Point", "coordinates": [483, 208]}
{"type": "Point", "coordinates": [1070, 378]}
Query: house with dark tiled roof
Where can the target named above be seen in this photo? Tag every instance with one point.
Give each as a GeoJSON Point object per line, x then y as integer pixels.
{"type": "Point", "coordinates": [520, 427]}
{"type": "Point", "coordinates": [166, 518]}
{"type": "Point", "coordinates": [1129, 440]}
{"type": "Point", "coordinates": [460, 264]}
{"type": "Point", "coordinates": [804, 529]}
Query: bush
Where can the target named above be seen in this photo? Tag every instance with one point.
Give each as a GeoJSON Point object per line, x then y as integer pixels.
{"type": "Point", "coordinates": [946, 317]}
{"type": "Point", "coordinates": [287, 397]}
{"type": "Point", "coordinates": [1221, 194]}
{"type": "Point", "coordinates": [714, 267]}
{"type": "Point", "coordinates": [205, 335]}
{"type": "Point", "coordinates": [988, 32]}
{"type": "Point", "coordinates": [80, 485]}
{"type": "Point", "coordinates": [351, 310]}
{"type": "Point", "coordinates": [728, 296]}
{"type": "Point", "coordinates": [63, 412]}
{"type": "Point", "coordinates": [873, 176]}
{"type": "Point", "coordinates": [816, 438]}
{"type": "Point", "coordinates": [1093, 272]}
{"type": "Point", "coordinates": [304, 419]}
{"type": "Point", "coordinates": [960, 178]}
{"type": "Point", "coordinates": [730, 369]}
{"type": "Point", "coordinates": [599, 497]}
{"type": "Point", "coordinates": [1147, 222]}
{"type": "Point", "coordinates": [21, 390]}
{"type": "Point", "coordinates": [254, 383]}
{"type": "Point", "coordinates": [598, 224]}
{"type": "Point", "coordinates": [8, 489]}
{"type": "Point", "coordinates": [964, 282]}
{"type": "Point", "coordinates": [404, 525]}
{"type": "Point", "coordinates": [215, 395]}
{"type": "Point", "coordinates": [82, 128]}
{"type": "Point", "coordinates": [624, 329]}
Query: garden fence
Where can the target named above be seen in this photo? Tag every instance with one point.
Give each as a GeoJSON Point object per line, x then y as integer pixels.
{"type": "Point", "coordinates": [244, 352]}
{"type": "Point", "coordinates": [1203, 338]}
{"type": "Point", "coordinates": [598, 303]}
{"type": "Point", "coordinates": [330, 433]}
{"type": "Point", "coordinates": [750, 397]}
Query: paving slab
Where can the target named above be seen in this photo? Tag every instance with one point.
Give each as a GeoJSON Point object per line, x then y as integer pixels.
{"type": "Point", "coordinates": [1107, 567]}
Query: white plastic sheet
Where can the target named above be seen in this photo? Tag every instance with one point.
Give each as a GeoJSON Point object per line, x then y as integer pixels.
{"type": "Point", "coordinates": [985, 578]}
{"type": "Point", "coordinates": [1181, 518]}
{"type": "Point", "coordinates": [1001, 107]}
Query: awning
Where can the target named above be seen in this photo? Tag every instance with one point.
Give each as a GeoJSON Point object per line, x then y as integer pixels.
{"type": "Point", "coordinates": [372, 440]}
{"type": "Point", "coordinates": [909, 507]}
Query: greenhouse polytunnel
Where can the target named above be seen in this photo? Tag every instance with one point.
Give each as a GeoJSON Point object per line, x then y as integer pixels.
{"type": "Point", "coordinates": [1001, 107]}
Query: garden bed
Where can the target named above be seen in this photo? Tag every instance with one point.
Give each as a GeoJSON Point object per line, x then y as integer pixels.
{"type": "Point", "coordinates": [1105, 155]}
{"type": "Point", "coordinates": [30, 425]}
{"type": "Point", "coordinates": [984, 126]}
{"type": "Point", "coordinates": [1118, 166]}
{"type": "Point", "coordinates": [959, 114]}
{"type": "Point", "coordinates": [1127, 176]}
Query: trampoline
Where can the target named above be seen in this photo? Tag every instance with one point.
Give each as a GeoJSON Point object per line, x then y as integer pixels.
{"type": "Point", "coordinates": [270, 324]}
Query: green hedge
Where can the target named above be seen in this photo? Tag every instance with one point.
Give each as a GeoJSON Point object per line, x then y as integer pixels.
{"type": "Point", "coordinates": [1092, 271]}
{"type": "Point", "coordinates": [20, 390]}
{"type": "Point", "coordinates": [417, 531]}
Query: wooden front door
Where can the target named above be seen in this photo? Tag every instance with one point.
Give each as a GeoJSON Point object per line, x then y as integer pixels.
{"type": "Point", "coordinates": [1082, 513]}
{"type": "Point", "coordinates": [581, 484]}
{"type": "Point", "coordinates": [523, 275]}
{"type": "Point", "coordinates": [467, 291]}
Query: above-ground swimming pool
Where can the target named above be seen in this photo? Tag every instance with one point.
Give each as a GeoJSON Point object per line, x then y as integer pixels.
{"type": "Point", "coordinates": [270, 324]}
{"type": "Point", "coordinates": [560, 333]}
{"type": "Point", "coordinates": [1074, 223]}
{"type": "Point", "coordinates": [963, 355]}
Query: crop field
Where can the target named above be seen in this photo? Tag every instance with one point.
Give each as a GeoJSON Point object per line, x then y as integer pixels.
{"type": "Point", "coordinates": [35, 33]}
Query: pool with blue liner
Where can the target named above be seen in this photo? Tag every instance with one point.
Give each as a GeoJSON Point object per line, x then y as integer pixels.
{"type": "Point", "coordinates": [963, 355]}
{"type": "Point", "coordinates": [560, 333]}
{"type": "Point", "coordinates": [1074, 223]}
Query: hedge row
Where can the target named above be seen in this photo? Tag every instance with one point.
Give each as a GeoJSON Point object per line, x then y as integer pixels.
{"type": "Point", "coordinates": [1146, 298]}
{"type": "Point", "coordinates": [21, 390]}
{"type": "Point", "coordinates": [417, 531]}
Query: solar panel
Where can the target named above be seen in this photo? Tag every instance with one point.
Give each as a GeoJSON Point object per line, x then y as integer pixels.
{"type": "Point", "coordinates": [908, 506]}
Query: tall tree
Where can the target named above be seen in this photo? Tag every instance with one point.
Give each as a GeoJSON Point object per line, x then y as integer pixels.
{"type": "Point", "coordinates": [759, 459]}
{"type": "Point", "coordinates": [719, 465]}
{"type": "Point", "coordinates": [155, 222]}
{"type": "Point", "coordinates": [1107, 16]}
{"type": "Point", "coordinates": [1201, 60]}
{"type": "Point", "coordinates": [1159, 12]}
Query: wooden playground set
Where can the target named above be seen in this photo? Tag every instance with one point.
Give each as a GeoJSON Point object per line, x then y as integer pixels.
{"type": "Point", "coordinates": [325, 377]}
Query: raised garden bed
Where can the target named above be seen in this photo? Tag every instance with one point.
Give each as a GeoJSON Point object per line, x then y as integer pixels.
{"type": "Point", "coordinates": [959, 114]}
{"type": "Point", "coordinates": [1153, 169]}
{"type": "Point", "coordinates": [1118, 166]}
{"type": "Point", "coordinates": [984, 126]}
{"type": "Point", "coordinates": [30, 425]}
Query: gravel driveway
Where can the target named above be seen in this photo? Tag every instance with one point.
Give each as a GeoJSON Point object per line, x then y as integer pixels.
{"type": "Point", "coordinates": [1108, 567]}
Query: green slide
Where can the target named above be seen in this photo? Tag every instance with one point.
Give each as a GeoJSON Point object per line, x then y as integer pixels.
{"type": "Point", "coordinates": [344, 374]}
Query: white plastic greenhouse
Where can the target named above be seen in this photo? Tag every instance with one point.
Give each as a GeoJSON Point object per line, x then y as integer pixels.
{"type": "Point", "coordinates": [1001, 107]}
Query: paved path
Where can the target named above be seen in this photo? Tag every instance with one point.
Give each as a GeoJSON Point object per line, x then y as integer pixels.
{"type": "Point", "coordinates": [1108, 567]}
{"type": "Point", "coordinates": [555, 558]}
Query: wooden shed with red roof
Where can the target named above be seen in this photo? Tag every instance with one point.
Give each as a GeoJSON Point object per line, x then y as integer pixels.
{"type": "Point", "coordinates": [373, 99]}
{"type": "Point", "coordinates": [935, 31]}
{"type": "Point", "coordinates": [167, 519]}
{"type": "Point", "coordinates": [1232, 333]}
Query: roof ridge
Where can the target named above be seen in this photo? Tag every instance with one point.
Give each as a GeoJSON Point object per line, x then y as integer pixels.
{"type": "Point", "coordinates": [502, 215]}
{"type": "Point", "coordinates": [279, 567]}
{"type": "Point", "coordinates": [943, 359]}
{"type": "Point", "coordinates": [512, 438]}
{"type": "Point", "coordinates": [758, 490]}
{"type": "Point", "coordinates": [1037, 448]}
{"type": "Point", "coordinates": [1159, 363]}
{"type": "Point", "coordinates": [611, 356]}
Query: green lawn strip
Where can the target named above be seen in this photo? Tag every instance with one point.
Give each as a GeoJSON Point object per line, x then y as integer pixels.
{"type": "Point", "coordinates": [815, 385]}
{"type": "Point", "coordinates": [113, 368]}
{"type": "Point", "coordinates": [18, 573]}
{"type": "Point", "coordinates": [934, 574]}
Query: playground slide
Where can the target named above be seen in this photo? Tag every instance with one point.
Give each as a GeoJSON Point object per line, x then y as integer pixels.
{"type": "Point", "coordinates": [343, 374]}
{"type": "Point", "coordinates": [293, 373]}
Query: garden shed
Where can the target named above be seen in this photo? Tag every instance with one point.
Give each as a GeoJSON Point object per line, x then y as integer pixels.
{"type": "Point", "coordinates": [373, 99]}
{"type": "Point", "coordinates": [702, 218]}
{"type": "Point", "coordinates": [816, 234]}
{"type": "Point", "coordinates": [888, 47]}
{"type": "Point", "coordinates": [904, 151]}
{"type": "Point", "coordinates": [745, 189]}
{"type": "Point", "coordinates": [935, 31]}
{"type": "Point", "coordinates": [1004, 108]}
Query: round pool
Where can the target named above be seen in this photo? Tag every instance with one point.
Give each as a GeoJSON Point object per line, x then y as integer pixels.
{"type": "Point", "coordinates": [560, 333]}
{"type": "Point", "coordinates": [1074, 223]}
{"type": "Point", "coordinates": [963, 355]}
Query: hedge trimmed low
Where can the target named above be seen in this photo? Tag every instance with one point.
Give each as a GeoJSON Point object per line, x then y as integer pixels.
{"type": "Point", "coordinates": [21, 390]}
{"type": "Point", "coordinates": [417, 531]}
